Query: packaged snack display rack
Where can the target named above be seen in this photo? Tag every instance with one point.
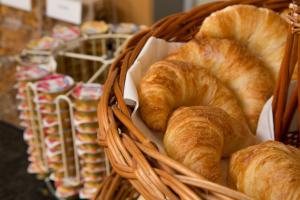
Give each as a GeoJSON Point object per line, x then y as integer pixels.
{"type": "Point", "coordinates": [135, 157]}
{"type": "Point", "coordinates": [51, 119]}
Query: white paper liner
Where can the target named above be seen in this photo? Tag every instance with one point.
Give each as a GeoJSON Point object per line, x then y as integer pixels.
{"type": "Point", "coordinates": [265, 127]}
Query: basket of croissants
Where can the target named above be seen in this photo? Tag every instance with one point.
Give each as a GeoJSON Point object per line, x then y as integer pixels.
{"type": "Point", "coordinates": [182, 104]}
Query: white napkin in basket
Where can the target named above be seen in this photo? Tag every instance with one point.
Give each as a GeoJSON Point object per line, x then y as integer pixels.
{"type": "Point", "coordinates": [265, 127]}
{"type": "Point", "coordinates": [153, 51]}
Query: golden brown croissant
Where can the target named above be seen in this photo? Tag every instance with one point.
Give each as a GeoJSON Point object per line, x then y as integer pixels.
{"type": "Point", "coordinates": [263, 31]}
{"type": "Point", "coordinates": [268, 171]}
{"type": "Point", "coordinates": [168, 85]}
{"type": "Point", "coordinates": [235, 67]}
{"type": "Point", "coordinates": [198, 136]}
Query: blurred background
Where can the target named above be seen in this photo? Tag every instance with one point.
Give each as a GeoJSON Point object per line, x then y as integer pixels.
{"type": "Point", "coordinates": [24, 20]}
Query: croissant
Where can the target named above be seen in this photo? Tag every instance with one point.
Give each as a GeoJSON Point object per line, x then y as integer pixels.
{"type": "Point", "coordinates": [262, 30]}
{"type": "Point", "coordinates": [198, 136]}
{"type": "Point", "coordinates": [235, 67]}
{"type": "Point", "coordinates": [267, 171]}
{"type": "Point", "coordinates": [168, 85]}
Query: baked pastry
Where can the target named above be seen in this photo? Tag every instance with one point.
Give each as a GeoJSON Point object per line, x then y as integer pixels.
{"type": "Point", "coordinates": [199, 136]}
{"type": "Point", "coordinates": [267, 171]}
{"type": "Point", "coordinates": [235, 67]}
{"type": "Point", "coordinates": [262, 30]}
{"type": "Point", "coordinates": [170, 84]}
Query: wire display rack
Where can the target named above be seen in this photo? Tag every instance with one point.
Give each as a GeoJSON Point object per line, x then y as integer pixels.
{"type": "Point", "coordinates": [87, 60]}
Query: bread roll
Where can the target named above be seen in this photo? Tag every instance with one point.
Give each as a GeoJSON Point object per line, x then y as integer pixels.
{"type": "Point", "coordinates": [168, 85]}
{"type": "Point", "coordinates": [268, 171]}
{"type": "Point", "coordinates": [235, 67]}
{"type": "Point", "coordinates": [199, 136]}
{"type": "Point", "coordinates": [263, 31]}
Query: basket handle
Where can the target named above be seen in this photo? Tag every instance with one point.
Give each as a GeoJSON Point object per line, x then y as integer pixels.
{"type": "Point", "coordinates": [283, 109]}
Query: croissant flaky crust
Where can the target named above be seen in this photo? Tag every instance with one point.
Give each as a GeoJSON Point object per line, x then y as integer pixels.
{"type": "Point", "coordinates": [235, 67]}
{"type": "Point", "coordinates": [168, 85]}
{"type": "Point", "coordinates": [267, 171]}
{"type": "Point", "coordinates": [262, 30]}
{"type": "Point", "coordinates": [198, 136]}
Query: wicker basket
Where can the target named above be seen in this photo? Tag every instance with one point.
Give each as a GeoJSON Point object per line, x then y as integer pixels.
{"type": "Point", "coordinates": [134, 157]}
{"type": "Point", "coordinates": [117, 188]}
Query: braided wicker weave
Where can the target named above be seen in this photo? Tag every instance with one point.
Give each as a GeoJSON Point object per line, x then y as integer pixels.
{"type": "Point", "coordinates": [134, 157]}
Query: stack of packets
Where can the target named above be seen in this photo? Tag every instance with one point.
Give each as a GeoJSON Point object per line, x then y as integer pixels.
{"type": "Point", "coordinates": [49, 89]}
{"type": "Point", "coordinates": [28, 118]}
{"type": "Point", "coordinates": [45, 43]}
{"type": "Point", "coordinates": [94, 27]}
{"type": "Point", "coordinates": [93, 168]}
{"type": "Point", "coordinates": [65, 33]}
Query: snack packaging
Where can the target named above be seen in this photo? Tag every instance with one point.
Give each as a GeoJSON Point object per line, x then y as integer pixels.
{"type": "Point", "coordinates": [51, 130]}
{"type": "Point", "coordinates": [47, 108]}
{"type": "Point", "coordinates": [55, 83]}
{"type": "Point", "coordinates": [32, 72]}
{"type": "Point", "coordinates": [53, 140]}
{"type": "Point", "coordinates": [92, 184]}
{"type": "Point", "coordinates": [48, 98]}
{"type": "Point", "coordinates": [92, 170]}
{"type": "Point", "coordinates": [89, 149]}
{"type": "Point", "coordinates": [92, 158]}
{"type": "Point", "coordinates": [66, 191]}
{"type": "Point", "coordinates": [93, 177]}
{"type": "Point", "coordinates": [65, 33]}
{"type": "Point", "coordinates": [25, 123]}
{"type": "Point", "coordinates": [23, 106]}
{"type": "Point", "coordinates": [36, 168]}
{"type": "Point", "coordinates": [28, 59]}
{"type": "Point", "coordinates": [52, 121]}
{"type": "Point", "coordinates": [99, 165]}
{"type": "Point", "coordinates": [87, 193]}
{"type": "Point", "coordinates": [94, 27]}
{"type": "Point", "coordinates": [45, 43]}
{"type": "Point", "coordinates": [125, 28]}
{"type": "Point", "coordinates": [86, 139]}
{"type": "Point", "coordinates": [85, 117]}
{"type": "Point", "coordinates": [28, 135]}
{"type": "Point", "coordinates": [57, 176]}
{"type": "Point", "coordinates": [21, 96]}
{"type": "Point", "coordinates": [87, 96]}
{"type": "Point", "coordinates": [87, 128]}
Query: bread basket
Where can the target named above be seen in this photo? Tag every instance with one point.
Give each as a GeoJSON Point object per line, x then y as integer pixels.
{"type": "Point", "coordinates": [134, 157]}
